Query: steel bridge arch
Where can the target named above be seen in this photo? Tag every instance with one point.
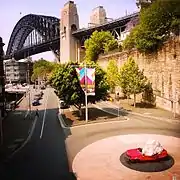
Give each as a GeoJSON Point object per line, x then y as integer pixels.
{"type": "Point", "coordinates": [46, 26]}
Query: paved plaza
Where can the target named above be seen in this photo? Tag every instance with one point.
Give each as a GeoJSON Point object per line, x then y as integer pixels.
{"type": "Point", "coordinates": [101, 159]}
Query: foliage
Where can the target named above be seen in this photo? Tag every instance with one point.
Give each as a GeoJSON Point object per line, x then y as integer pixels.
{"type": "Point", "coordinates": [156, 23]}
{"type": "Point", "coordinates": [41, 69]}
{"type": "Point", "coordinates": [131, 79]}
{"type": "Point", "coordinates": [112, 74]}
{"type": "Point", "coordinates": [64, 79]}
{"type": "Point", "coordinates": [99, 42]}
{"type": "Point", "coordinates": [148, 95]}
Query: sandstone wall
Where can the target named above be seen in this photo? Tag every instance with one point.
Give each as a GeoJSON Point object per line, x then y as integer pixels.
{"type": "Point", "coordinates": [162, 69]}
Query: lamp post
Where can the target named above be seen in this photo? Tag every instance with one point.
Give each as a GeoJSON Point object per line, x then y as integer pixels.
{"type": "Point", "coordinates": [2, 87]}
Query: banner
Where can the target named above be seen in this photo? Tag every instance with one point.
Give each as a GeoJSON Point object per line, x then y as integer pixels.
{"type": "Point", "coordinates": [90, 79]}
{"type": "Point", "coordinates": [81, 77]}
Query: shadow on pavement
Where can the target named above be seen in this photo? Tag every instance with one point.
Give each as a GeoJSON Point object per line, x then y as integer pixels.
{"type": "Point", "coordinates": [16, 126]}
{"type": "Point", "coordinates": [155, 166]}
{"type": "Point", "coordinates": [41, 158]}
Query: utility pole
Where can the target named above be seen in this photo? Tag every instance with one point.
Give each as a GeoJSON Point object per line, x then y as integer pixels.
{"type": "Point", "coordinates": [2, 88]}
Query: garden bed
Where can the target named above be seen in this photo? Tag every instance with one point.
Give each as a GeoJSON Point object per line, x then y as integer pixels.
{"type": "Point", "coordinates": [72, 118]}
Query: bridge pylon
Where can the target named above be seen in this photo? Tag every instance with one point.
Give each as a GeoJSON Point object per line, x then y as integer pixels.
{"type": "Point", "coordinates": [69, 22]}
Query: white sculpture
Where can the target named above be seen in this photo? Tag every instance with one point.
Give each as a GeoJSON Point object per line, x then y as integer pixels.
{"type": "Point", "coordinates": [151, 148]}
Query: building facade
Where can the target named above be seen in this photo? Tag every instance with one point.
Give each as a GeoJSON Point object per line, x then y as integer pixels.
{"type": "Point", "coordinates": [2, 84]}
{"type": "Point", "coordinates": [18, 71]}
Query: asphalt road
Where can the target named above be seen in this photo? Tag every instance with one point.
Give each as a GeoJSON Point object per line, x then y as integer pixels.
{"type": "Point", "coordinates": [44, 156]}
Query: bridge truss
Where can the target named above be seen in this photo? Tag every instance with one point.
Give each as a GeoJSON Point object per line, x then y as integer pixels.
{"type": "Point", "coordinates": [34, 34]}
{"type": "Point", "coordinates": [116, 27]}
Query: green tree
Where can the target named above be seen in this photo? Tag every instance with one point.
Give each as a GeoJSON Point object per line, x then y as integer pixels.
{"type": "Point", "coordinates": [131, 79]}
{"type": "Point", "coordinates": [41, 69]}
{"type": "Point", "coordinates": [112, 74]}
{"type": "Point", "coordinates": [156, 23]}
{"type": "Point", "coordinates": [65, 81]}
{"type": "Point", "coordinates": [98, 43]}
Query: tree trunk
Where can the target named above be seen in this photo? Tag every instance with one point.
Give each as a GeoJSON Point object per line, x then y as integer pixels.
{"type": "Point", "coordinates": [80, 111]}
{"type": "Point", "coordinates": [128, 98]}
{"type": "Point", "coordinates": [134, 100]}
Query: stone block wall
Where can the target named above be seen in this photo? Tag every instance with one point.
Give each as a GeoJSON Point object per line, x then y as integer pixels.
{"type": "Point", "coordinates": [162, 69]}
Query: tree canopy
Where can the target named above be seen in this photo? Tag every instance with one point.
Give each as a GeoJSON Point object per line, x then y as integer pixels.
{"type": "Point", "coordinates": [99, 42]}
{"type": "Point", "coordinates": [112, 74]}
{"type": "Point", "coordinates": [131, 79]}
{"type": "Point", "coordinates": [156, 23]}
{"type": "Point", "coordinates": [41, 69]}
{"type": "Point", "coordinates": [65, 80]}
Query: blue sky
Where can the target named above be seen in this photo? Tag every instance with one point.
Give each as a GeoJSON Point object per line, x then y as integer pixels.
{"type": "Point", "coordinates": [12, 11]}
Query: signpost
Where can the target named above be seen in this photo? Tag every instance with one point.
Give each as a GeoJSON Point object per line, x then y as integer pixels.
{"type": "Point", "coordinates": [86, 91]}
{"type": "Point", "coordinates": [87, 81]}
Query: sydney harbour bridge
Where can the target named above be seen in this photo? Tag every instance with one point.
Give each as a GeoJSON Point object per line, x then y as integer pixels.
{"type": "Point", "coordinates": [38, 33]}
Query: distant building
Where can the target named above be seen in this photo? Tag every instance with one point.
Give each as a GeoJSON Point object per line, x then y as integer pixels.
{"type": "Point", "coordinates": [18, 71]}
{"type": "Point", "coordinates": [98, 16]}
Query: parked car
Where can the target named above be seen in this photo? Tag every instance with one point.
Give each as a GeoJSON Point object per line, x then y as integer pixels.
{"type": "Point", "coordinates": [35, 102]}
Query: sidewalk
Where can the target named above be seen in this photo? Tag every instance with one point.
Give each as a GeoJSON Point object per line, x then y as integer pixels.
{"type": "Point", "coordinates": [16, 127]}
{"type": "Point", "coordinates": [153, 112]}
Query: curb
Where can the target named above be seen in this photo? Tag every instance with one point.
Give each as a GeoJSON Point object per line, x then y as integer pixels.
{"type": "Point", "coordinates": [64, 126]}
{"type": "Point", "coordinates": [20, 100]}
{"type": "Point", "coordinates": [61, 120]}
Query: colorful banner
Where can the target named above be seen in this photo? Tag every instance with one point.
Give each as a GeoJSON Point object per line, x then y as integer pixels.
{"type": "Point", "coordinates": [81, 76]}
{"type": "Point", "coordinates": [90, 79]}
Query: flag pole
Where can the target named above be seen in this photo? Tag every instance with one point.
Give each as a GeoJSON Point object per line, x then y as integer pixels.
{"type": "Point", "coordinates": [86, 103]}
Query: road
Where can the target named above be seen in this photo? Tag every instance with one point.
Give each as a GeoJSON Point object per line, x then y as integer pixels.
{"type": "Point", "coordinates": [44, 156]}
{"type": "Point", "coordinates": [80, 137]}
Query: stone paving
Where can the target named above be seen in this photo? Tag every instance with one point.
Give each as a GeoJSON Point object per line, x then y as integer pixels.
{"type": "Point", "coordinates": [101, 159]}
{"type": "Point", "coordinates": [150, 111]}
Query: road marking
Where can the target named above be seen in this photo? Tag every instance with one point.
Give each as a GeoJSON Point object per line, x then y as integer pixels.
{"type": "Point", "coordinates": [115, 114]}
{"type": "Point", "coordinates": [27, 140]}
{"type": "Point", "coordinates": [44, 116]}
{"type": "Point", "coordinates": [26, 114]}
{"type": "Point", "coordinates": [111, 104]}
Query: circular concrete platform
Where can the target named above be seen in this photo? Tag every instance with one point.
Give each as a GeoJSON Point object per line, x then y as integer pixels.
{"type": "Point", "coordinates": [101, 160]}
